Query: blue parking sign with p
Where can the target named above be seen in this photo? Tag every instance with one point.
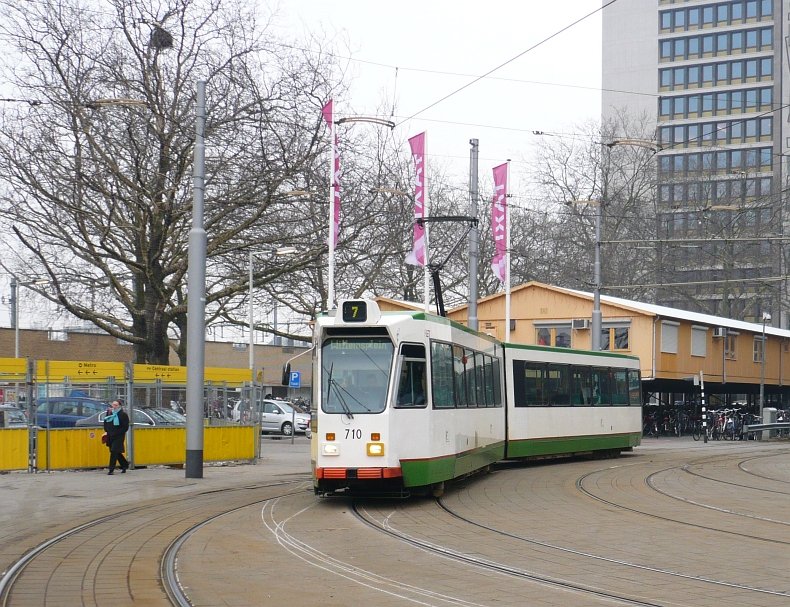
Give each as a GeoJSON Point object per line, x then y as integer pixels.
{"type": "Point", "coordinates": [296, 379]}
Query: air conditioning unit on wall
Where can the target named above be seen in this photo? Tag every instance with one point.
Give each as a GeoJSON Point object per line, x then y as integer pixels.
{"type": "Point", "coordinates": [580, 323]}
{"type": "Point", "coordinates": [719, 332]}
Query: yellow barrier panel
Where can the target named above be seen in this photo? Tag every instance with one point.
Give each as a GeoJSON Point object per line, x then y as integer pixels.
{"type": "Point", "coordinates": [167, 374]}
{"type": "Point", "coordinates": [70, 448]}
{"type": "Point", "coordinates": [13, 369]}
{"type": "Point", "coordinates": [159, 446]}
{"type": "Point", "coordinates": [73, 448]}
{"type": "Point", "coordinates": [223, 443]}
{"type": "Point", "coordinates": [178, 375]}
{"type": "Point", "coordinates": [13, 449]}
{"type": "Point", "coordinates": [227, 375]}
{"type": "Point", "coordinates": [78, 371]}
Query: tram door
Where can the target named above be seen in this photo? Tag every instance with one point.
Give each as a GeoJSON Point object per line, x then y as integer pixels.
{"type": "Point", "coordinates": [412, 384]}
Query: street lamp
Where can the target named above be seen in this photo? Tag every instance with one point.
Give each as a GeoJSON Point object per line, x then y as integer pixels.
{"type": "Point", "coordinates": [766, 318]}
{"type": "Point", "coordinates": [596, 325]}
{"type": "Point", "coordinates": [596, 313]}
{"type": "Point", "coordinates": [278, 252]}
{"type": "Point", "coordinates": [15, 284]}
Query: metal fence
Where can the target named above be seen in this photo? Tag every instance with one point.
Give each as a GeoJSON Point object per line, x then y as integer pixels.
{"type": "Point", "coordinates": [32, 385]}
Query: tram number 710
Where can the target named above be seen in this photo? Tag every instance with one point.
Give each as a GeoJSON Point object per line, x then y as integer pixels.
{"type": "Point", "coordinates": [353, 434]}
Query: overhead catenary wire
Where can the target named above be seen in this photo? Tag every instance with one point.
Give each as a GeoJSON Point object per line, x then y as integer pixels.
{"type": "Point", "coordinates": [511, 60]}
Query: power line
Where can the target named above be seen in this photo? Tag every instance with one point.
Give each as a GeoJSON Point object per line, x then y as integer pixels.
{"type": "Point", "coordinates": [697, 282]}
{"type": "Point", "coordinates": [692, 240]}
{"type": "Point", "coordinates": [511, 60]}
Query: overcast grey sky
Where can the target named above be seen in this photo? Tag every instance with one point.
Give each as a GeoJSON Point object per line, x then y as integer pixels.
{"type": "Point", "coordinates": [439, 46]}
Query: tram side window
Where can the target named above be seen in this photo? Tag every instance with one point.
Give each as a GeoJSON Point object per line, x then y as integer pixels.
{"type": "Point", "coordinates": [557, 390]}
{"type": "Point", "coordinates": [519, 384]}
{"type": "Point", "coordinates": [412, 382]}
{"type": "Point", "coordinates": [634, 388]}
{"type": "Point", "coordinates": [619, 386]}
{"type": "Point", "coordinates": [488, 367]}
{"type": "Point", "coordinates": [497, 383]}
{"type": "Point", "coordinates": [470, 378]}
{"type": "Point", "coordinates": [442, 376]}
{"type": "Point", "coordinates": [581, 386]}
{"type": "Point", "coordinates": [480, 378]}
{"type": "Point", "coordinates": [602, 387]}
{"type": "Point", "coordinates": [528, 383]}
{"type": "Point", "coordinates": [459, 371]}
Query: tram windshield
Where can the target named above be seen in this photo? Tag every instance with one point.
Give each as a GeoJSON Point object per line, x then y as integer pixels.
{"type": "Point", "coordinates": [355, 374]}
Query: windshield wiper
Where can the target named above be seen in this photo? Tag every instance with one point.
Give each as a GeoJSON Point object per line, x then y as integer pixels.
{"type": "Point", "coordinates": [331, 384]}
{"type": "Point", "coordinates": [354, 398]}
{"type": "Point", "coordinates": [341, 400]}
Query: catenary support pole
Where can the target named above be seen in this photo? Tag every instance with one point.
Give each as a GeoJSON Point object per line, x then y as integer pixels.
{"type": "Point", "coordinates": [474, 235]}
{"type": "Point", "coordinates": [252, 317]}
{"type": "Point", "coordinates": [596, 313]}
{"type": "Point", "coordinates": [15, 313]}
{"type": "Point", "coordinates": [196, 302]}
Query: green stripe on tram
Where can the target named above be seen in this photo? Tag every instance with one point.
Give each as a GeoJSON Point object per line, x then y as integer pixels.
{"type": "Point", "coordinates": [417, 473]}
{"type": "Point", "coordinates": [534, 447]}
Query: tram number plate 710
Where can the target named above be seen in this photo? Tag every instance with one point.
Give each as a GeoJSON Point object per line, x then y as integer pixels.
{"type": "Point", "coordinates": [353, 434]}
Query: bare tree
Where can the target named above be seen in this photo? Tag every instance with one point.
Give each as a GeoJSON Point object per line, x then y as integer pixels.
{"type": "Point", "coordinates": [97, 167]}
{"type": "Point", "coordinates": [579, 173]}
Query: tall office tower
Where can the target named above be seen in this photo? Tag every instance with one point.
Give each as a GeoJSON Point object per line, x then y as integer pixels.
{"type": "Point", "coordinates": [718, 75]}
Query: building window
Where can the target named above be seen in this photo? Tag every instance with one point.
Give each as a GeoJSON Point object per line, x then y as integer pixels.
{"type": "Point", "coordinates": [729, 345]}
{"type": "Point", "coordinates": [759, 347]}
{"type": "Point", "coordinates": [558, 335]}
{"type": "Point", "coordinates": [699, 341]}
{"type": "Point", "coordinates": [669, 337]}
{"type": "Point", "coordinates": [621, 341]}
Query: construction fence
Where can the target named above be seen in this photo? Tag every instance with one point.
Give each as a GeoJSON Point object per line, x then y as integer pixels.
{"type": "Point", "coordinates": [24, 382]}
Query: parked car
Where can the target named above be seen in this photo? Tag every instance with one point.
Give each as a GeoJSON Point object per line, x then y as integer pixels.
{"type": "Point", "coordinates": [240, 409]}
{"type": "Point", "coordinates": [274, 415]}
{"type": "Point", "coordinates": [65, 411]}
{"type": "Point", "coordinates": [12, 416]}
{"type": "Point", "coordinates": [142, 417]}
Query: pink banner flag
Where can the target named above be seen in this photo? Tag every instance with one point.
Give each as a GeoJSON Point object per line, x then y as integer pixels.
{"type": "Point", "coordinates": [334, 212]}
{"type": "Point", "coordinates": [499, 221]}
{"type": "Point", "coordinates": [417, 255]}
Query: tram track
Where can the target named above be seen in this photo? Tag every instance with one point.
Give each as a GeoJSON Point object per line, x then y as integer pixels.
{"type": "Point", "coordinates": [83, 553]}
{"type": "Point", "coordinates": [494, 566]}
{"type": "Point", "coordinates": [650, 481]}
{"type": "Point", "coordinates": [362, 576]}
{"type": "Point", "coordinates": [620, 562]}
{"type": "Point", "coordinates": [702, 579]}
{"type": "Point", "coordinates": [765, 476]}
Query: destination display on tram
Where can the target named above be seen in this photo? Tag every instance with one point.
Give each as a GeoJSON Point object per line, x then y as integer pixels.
{"type": "Point", "coordinates": [355, 311]}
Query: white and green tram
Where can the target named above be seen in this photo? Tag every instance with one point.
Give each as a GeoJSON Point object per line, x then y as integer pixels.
{"type": "Point", "coordinates": [405, 401]}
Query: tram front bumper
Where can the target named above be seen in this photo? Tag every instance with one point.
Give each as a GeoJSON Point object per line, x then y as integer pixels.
{"type": "Point", "coordinates": [357, 473]}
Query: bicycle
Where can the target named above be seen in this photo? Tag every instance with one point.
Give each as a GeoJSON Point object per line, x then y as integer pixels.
{"type": "Point", "coordinates": [696, 431]}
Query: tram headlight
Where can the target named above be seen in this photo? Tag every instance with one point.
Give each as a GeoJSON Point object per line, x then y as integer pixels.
{"type": "Point", "coordinates": [375, 449]}
{"type": "Point", "coordinates": [330, 449]}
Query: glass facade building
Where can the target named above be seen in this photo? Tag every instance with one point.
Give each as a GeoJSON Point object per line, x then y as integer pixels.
{"type": "Point", "coordinates": [718, 72]}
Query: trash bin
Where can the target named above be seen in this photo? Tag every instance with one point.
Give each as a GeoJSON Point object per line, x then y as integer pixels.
{"type": "Point", "coordinates": [769, 417]}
